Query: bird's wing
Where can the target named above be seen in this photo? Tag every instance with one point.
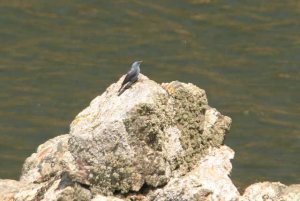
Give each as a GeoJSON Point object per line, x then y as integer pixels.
{"type": "Point", "coordinates": [129, 76]}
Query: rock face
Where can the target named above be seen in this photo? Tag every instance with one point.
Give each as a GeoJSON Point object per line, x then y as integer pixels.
{"type": "Point", "coordinates": [145, 136]}
{"type": "Point", "coordinates": [274, 191]}
{"type": "Point", "coordinates": [154, 142]}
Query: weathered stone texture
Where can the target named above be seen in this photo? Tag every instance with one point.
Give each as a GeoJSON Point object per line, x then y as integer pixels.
{"type": "Point", "coordinates": [133, 131]}
{"type": "Point", "coordinates": [273, 191]}
{"type": "Point", "coordinates": [154, 142]}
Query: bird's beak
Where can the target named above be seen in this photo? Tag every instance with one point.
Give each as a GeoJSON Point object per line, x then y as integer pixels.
{"type": "Point", "coordinates": [140, 61]}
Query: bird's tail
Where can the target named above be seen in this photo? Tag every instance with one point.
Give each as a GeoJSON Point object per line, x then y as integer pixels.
{"type": "Point", "coordinates": [121, 90]}
{"type": "Point", "coordinates": [124, 87]}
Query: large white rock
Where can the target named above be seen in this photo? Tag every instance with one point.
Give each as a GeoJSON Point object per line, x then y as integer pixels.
{"type": "Point", "coordinates": [154, 142]}
{"type": "Point", "coordinates": [273, 191]}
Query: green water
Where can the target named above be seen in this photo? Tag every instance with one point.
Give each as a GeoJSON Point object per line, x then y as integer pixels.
{"type": "Point", "coordinates": [56, 56]}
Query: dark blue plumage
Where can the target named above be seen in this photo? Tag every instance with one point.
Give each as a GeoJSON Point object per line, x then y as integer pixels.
{"type": "Point", "coordinates": [131, 77]}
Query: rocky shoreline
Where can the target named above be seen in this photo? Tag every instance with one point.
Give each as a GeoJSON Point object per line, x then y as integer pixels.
{"type": "Point", "coordinates": [155, 142]}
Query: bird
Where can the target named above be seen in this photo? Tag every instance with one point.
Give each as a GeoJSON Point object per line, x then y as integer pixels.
{"type": "Point", "coordinates": [131, 77]}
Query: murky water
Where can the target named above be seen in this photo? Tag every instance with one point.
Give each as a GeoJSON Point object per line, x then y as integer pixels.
{"type": "Point", "coordinates": [56, 56]}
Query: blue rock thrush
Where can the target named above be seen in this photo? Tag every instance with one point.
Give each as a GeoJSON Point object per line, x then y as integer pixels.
{"type": "Point", "coordinates": [131, 77]}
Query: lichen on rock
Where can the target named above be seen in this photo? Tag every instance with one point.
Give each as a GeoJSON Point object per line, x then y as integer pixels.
{"type": "Point", "coordinates": [134, 140]}
{"type": "Point", "coordinates": [150, 143]}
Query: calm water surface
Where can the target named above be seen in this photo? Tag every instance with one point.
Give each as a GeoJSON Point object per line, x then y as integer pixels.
{"type": "Point", "coordinates": [56, 56]}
